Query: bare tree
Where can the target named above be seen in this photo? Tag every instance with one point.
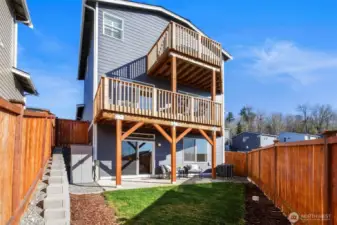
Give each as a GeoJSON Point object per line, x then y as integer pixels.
{"type": "Point", "coordinates": [321, 116]}
{"type": "Point", "coordinates": [260, 122]}
{"type": "Point", "coordinates": [275, 123]}
{"type": "Point", "coordinates": [293, 123]}
{"type": "Point", "coordinates": [304, 109]}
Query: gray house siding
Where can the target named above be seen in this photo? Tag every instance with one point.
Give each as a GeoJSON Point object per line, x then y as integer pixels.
{"type": "Point", "coordinates": [291, 137]}
{"type": "Point", "coordinates": [107, 151]}
{"type": "Point", "coordinates": [88, 87]}
{"type": "Point", "coordinates": [9, 86]}
{"type": "Point", "coordinates": [127, 58]}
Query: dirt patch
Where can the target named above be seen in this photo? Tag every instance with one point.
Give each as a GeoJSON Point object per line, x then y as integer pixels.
{"type": "Point", "coordinates": [263, 211]}
{"type": "Point", "coordinates": [91, 209]}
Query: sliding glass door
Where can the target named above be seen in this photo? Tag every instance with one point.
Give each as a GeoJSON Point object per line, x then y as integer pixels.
{"type": "Point", "coordinates": [129, 158]}
{"type": "Point", "coordinates": [137, 157]}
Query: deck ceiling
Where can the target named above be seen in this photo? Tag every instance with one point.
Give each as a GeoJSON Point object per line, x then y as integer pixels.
{"type": "Point", "coordinates": [188, 73]}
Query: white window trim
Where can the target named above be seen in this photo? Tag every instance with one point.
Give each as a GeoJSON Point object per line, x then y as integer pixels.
{"type": "Point", "coordinates": [121, 29]}
{"type": "Point", "coordinates": [196, 151]}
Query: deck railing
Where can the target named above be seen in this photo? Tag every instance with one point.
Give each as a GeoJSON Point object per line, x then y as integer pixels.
{"type": "Point", "coordinates": [188, 42]}
{"type": "Point", "coordinates": [132, 98]}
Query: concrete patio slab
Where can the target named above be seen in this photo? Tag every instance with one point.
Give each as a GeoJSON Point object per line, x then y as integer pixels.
{"type": "Point", "coordinates": [134, 183]}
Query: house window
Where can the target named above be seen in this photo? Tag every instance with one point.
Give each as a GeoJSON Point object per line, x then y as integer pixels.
{"type": "Point", "coordinates": [113, 26]}
{"type": "Point", "coordinates": [195, 150]}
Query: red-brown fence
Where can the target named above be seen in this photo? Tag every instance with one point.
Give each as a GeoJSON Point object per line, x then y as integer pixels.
{"type": "Point", "coordinates": [25, 147]}
{"type": "Point", "coordinates": [71, 132]}
{"type": "Point", "coordinates": [239, 159]}
{"type": "Point", "coordinates": [298, 177]}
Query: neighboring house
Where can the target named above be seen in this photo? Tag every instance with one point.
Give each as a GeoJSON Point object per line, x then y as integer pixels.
{"type": "Point", "coordinates": [228, 139]}
{"type": "Point", "coordinates": [247, 141]}
{"type": "Point", "coordinates": [14, 83]}
{"type": "Point", "coordinates": [292, 136]}
{"type": "Point", "coordinates": [149, 70]}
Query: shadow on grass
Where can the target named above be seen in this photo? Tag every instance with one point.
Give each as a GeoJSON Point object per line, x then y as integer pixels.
{"type": "Point", "coordinates": [212, 203]}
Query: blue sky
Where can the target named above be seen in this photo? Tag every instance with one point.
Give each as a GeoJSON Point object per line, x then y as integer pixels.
{"type": "Point", "coordinates": [285, 52]}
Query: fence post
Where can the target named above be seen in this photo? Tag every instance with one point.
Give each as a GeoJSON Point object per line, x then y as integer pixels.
{"type": "Point", "coordinates": [275, 169]}
{"type": "Point", "coordinates": [17, 167]}
{"type": "Point", "coordinates": [246, 154]}
{"type": "Point", "coordinates": [327, 182]}
{"type": "Point", "coordinates": [44, 144]}
{"type": "Point", "coordinates": [259, 181]}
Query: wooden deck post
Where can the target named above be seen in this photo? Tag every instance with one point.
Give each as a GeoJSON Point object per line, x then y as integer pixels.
{"type": "Point", "coordinates": [213, 94]}
{"type": "Point", "coordinates": [118, 152]}
{"type": "Point", "coordinates": [174, 84]}
{"type": "Point", "coordinates": [214, 155]}
{"type": "Point", "coordinates": [154, 101]}
{"type": "Point", "coordinates": [173, 155]}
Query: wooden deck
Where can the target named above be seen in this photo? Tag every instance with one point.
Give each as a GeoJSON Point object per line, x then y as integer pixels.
{"type": "Point", "coordinates": [197, 57]}
{"type": "Point", "coordinates": [138, 102]}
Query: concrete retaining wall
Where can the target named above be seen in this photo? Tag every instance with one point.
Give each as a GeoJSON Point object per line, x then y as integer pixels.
{"type": "Point", "coordinates": [57, 203]}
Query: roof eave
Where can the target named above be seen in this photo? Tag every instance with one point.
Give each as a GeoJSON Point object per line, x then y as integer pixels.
{"type": "Point", "coordinates": [27, 19]}
{"type": "Point", "coordinates": [30, 88]}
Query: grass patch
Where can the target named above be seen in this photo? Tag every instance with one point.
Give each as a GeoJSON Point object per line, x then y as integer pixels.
{"type": "Point", "coordinates": [213, 203]}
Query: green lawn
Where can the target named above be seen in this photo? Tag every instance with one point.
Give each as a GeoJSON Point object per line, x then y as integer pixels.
{"type": "Point", "coordinates": [213, 203]}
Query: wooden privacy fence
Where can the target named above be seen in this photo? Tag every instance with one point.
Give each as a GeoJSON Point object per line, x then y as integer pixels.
{"type": "Point", "coordinates": [26, 139]}
{"type": "Point", "coordinates": [71, 132]}
{"type": "Point", "coordinates": [298, 177]}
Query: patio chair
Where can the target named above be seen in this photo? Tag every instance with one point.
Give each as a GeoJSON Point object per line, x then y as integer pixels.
{"type": "Point", "coordinates": [166, 171]}
{"type": "Point", "coordinates": [193, 169]}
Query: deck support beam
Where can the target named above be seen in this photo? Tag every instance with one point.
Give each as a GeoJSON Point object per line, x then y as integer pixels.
{"type": "Point", "coordinates": [212, 142]}
{"type": "Point", "coordinates": [118, 152]}
{"type": "Point", "coordinates": [203, 133]}
{"type": "Point", "coordinates": [183, 134]}
{"type": "Point", "coordinates": [163, 132]}
{"type": "Point", "coordinates": [174, 74]}
{"type": "Point", "coordinates": [132, 129]}
{"type": "Point", "coordinates": [214, 155]}
{"type": "Point", "coordinates": [173, 155]}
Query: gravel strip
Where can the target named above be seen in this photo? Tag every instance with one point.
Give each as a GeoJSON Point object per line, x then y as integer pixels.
{"type": "Point", "coordinates": [32, 215]}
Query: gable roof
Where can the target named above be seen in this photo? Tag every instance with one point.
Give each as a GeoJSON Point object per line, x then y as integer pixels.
{"type": "Point", "coordinates": [153, 8]}
{"type": "Point", "coordinates": [21, 12]}
{"type": "Point", "coordinates": [163, 10]}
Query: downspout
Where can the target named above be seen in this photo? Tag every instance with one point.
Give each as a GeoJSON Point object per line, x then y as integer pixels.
{"type": "Point", "coordinates": [94, 126]}
{"type": "Point", "coordinates": [223, 112]}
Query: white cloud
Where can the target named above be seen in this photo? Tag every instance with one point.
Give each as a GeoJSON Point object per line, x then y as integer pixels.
{"type": "Point", "coordinates": [287, 62]}
{"type": "Point", "coordinates": [53, 70]}
{"type": "Point", "coordinates": [58, 91]}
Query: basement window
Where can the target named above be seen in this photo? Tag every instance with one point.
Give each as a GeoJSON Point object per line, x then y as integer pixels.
{"type": "Point", "coordinates": [113, 26]}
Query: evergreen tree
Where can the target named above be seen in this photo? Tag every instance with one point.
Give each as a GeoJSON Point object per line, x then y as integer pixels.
{"type": "Point", "coordinates": [230, 118]}
{"type": "Point", "coordinates": [238, 128]}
